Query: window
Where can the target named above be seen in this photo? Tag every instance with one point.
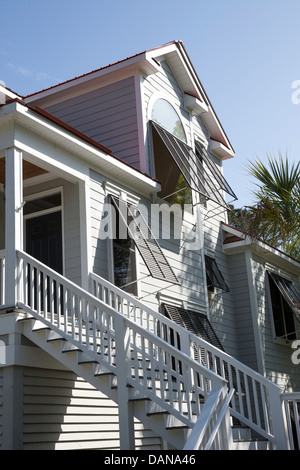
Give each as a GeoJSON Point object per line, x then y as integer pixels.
{"type": "Point", "coordinates": [124, 260]}
{"type": "Point", "coordinates": [181, 170]}
{"type": "Point", "coordinates": [285, 301]}
{"type": "Point", "coordinates": [165, 115]}
{"type": "Point", "coordinates": [139, 234]}
{"type": "Point", "coordinates": [169, 140]}
{"type": "Point", "coordinates": [214, 276]}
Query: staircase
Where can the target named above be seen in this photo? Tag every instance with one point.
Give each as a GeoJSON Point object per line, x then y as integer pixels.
{"type": "Point", "coordinates": [176, 384]}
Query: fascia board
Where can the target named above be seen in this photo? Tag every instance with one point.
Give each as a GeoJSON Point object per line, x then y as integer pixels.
{"type": "Point", "coordinates": [99, 159]}
{"type": "Point", "coordinates": [264, 251]}
{"type": "Point", "coordinates": [193, 104]}
{"type": "Point", "coordinates": [220, 150]}
{"type": "Point", "coordinates": [191, 85]}
{"type": "Point", "coordinates": [5, 92]}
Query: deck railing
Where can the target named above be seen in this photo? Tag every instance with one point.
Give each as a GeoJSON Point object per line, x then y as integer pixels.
{"type": "Point", "coordinates": [154, 368]}
{"type": "Point", "coordinates": [256, 400]}
{"type": "Point", "coordinates": [291, 402]}
{"type": "Point", "coordinates": [211, 431]}
{"type": "Point", "coordinates": [2, 278]}
{"type": "Point", "coordinates": [89, 319]}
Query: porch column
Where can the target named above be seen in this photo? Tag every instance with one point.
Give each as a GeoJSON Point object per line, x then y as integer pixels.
{"type": "Point", "coordinates": [14, 223]}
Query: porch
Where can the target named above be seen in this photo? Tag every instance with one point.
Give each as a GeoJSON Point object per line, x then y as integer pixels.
{"type": "Point", "coordinates": [41, 212]}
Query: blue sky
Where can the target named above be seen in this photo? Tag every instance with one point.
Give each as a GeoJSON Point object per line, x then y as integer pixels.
{"type": "Point", "coordinates": [246, 53]}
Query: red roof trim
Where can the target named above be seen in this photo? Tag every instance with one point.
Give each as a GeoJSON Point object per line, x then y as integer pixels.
{"type": "Point", "coordinates": [258, 239]}
{"type": "Point", "coordinates": [98, 70]}
{"type": "Point", "coordinates": [86, 138]}
{"type": "Point", "coordinates": [78, 134]}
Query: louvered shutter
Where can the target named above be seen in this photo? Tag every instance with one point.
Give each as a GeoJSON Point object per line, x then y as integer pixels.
{"type": "Point", "coordinates": [289, 292]}
{"type": "Point", "coordinates": [214, 275]}
{"type": "Point", "coordinates": [145, 241]}
{"type": "Point", "coordinates": [194, 322]}
{"type": "Point", "coordinates": [190, 166]}
{"type": "Point", "coordinates": [214, 170]}
{"type": "Point", "coordinates": [199, 324]}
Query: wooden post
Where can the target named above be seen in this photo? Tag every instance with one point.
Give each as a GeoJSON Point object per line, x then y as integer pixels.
{"type": "Point", "coordinates": [12, 409]}
{"type": "Point", "coordinates": [126, 419]}
{"type": "Point", "coordinates": [279, 425]}
{"type": "Point", "coordinates": [13, 221]}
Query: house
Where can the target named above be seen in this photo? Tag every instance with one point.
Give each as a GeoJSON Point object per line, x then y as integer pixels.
{"type": "Point", "coordinates": [133, 316]}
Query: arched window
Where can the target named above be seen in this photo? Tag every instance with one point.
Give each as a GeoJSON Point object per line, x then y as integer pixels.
{"type": "Point", "coordinates": [174, 186]}
{"type": "Point", "coordinates": [165, 115]}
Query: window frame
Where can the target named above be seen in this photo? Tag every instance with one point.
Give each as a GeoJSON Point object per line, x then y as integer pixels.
{"type": "Point", "coordinates": [281, 339]}
{"type": "Point", "coordinates": [177, 112]}
{"type": "Point", "coordinates": [219, 283]}
{"type": "Point", "coordinates": [113, 191]}
{"type": "Point", "coordinates": [59, 208]}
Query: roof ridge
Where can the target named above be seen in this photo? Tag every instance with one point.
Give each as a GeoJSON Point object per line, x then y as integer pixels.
{"type": "Point", "coordinates": [64, 82]}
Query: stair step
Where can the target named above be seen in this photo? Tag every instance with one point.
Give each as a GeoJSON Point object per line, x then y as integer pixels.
{"type": "Point", "coordinates": [39, 326]}
{"type": "Point", "coordinates": [100, 370]}
{"type": "Point", "coordinates": [54, 336]}
{"type": "Point", "coordinates": [153, 408]}
{"type": "Point", "coordinates": [171, 422]}
{"type": "Point", "coordinates": [84, 358]}
{"type": "Point", "coordinates": [69, 347]}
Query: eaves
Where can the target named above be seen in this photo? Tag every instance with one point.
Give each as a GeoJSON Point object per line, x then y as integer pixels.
{"type": "Point", "coordinates": [78, 144]}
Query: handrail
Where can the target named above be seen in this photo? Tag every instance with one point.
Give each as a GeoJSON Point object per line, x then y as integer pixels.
{"type": "Point", "coordinates": [155, 369]}
{"type": "Point", "coordinates": [210, 423]}
{"type": "Point", "coordinates": [291, 404]}
{"type": "Point", "coordinates": [2, 277]}
{"type": "Point", "coordinates": [256, 398]}
{"type": "Point", "coordinates": [223, 418]}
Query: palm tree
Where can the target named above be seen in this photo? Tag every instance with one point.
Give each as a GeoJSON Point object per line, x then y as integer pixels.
{"type": "Point", "coordinates": [275, 218]}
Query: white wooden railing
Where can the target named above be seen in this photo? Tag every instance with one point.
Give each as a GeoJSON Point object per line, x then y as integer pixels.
{"type": "Point", "coordinates": [256, 401]}
{"type": "Point", "coordinates": [212, 429]}
{"type": "Point", "coordinates": [291, 403]}
{"type": "Point", "coordinates": [154, 368]}
{"type": "Point", "coordinates": [92, 322]}
{"type": "Point", "coordinates": [2, 278]}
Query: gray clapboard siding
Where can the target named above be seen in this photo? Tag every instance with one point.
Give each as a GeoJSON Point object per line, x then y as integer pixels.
{"type": "Point", "coordinates": [278, 362]}
{"type": "Point", "coordinates": [98, 246]}
{"type": "Point", "coordinates": [63, 412]}
{"type": "Point", "coordinates": [108, 115]}
{"type": "Point", "coordinates": [242, 310]}
{"type": "Point", "coordinates": [2, 220]}
{"type": "Point", "coordinates": [187, 265]}
{"type": "Point", "coordinates": [221, 304]}
{"type": "Point", "coordinates": [1, 404]}
{"type": "Point", "coordinates": [200, 130]}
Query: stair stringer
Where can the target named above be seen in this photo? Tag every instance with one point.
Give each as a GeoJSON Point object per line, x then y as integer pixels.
{"type": "Point", "coordinates": [85, 366]}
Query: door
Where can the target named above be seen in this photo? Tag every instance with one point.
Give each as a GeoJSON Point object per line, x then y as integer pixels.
{"type": "Point", "coordinates": [44, 239]}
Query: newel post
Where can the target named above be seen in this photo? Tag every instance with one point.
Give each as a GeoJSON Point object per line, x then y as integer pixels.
{"type": "Point", "coordinates": [126, 418]}
{"type": "Point", "coordinates": [279, 424]}
{"type": "Point", "coordinates": [13, 221]}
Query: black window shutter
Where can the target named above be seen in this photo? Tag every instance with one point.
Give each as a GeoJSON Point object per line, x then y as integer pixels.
{"type": "Point", "coordinates": [190, 166]}
{"type": "Point", "coordinates": [194, 322]}
{"type": "Point", "coordinates": [145, 241]}
{"type": "Point", "coordinates": [215, 172]}
{"type": "Point", "coordinates": [288, 291]}
{"type": "Point", "coordinates": [214, 275]}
